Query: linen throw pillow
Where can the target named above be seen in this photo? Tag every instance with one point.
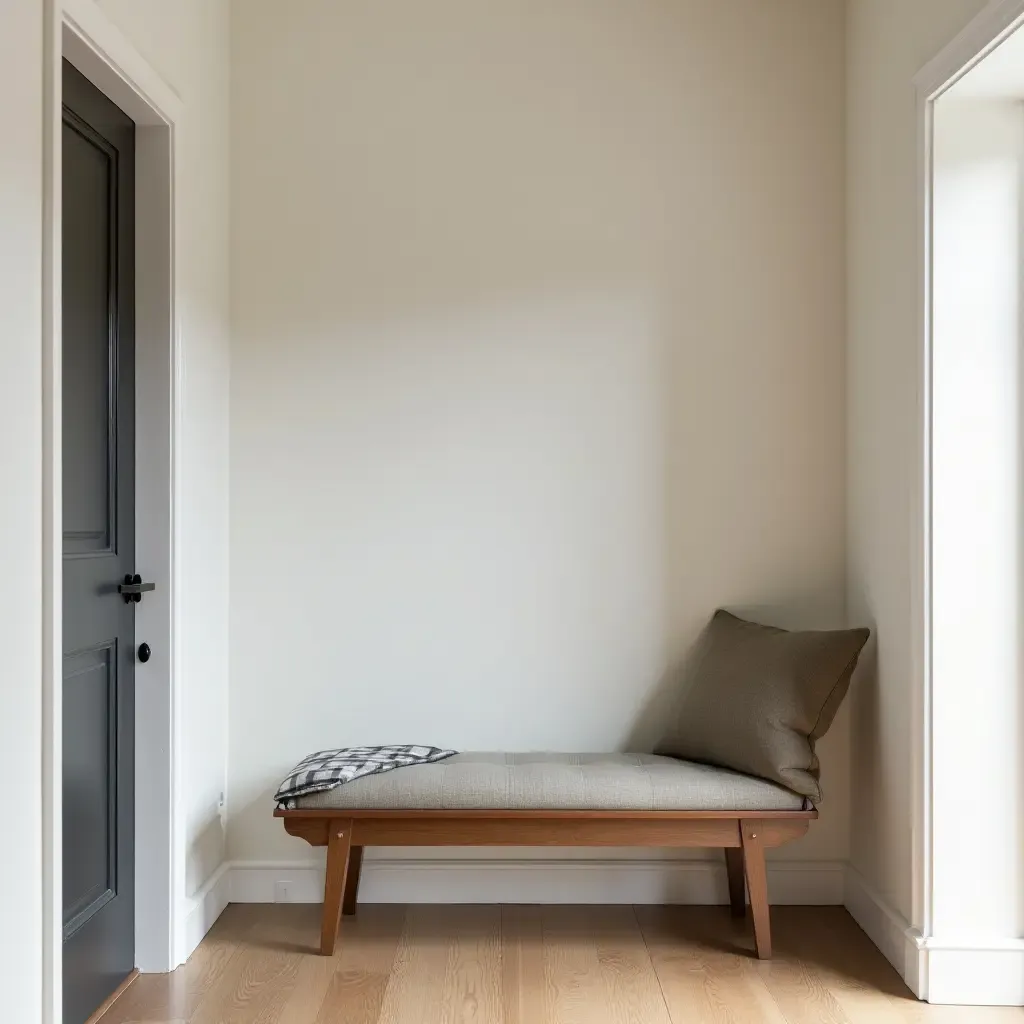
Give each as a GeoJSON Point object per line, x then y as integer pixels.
{"type": "Point", "coordinates": [755, 698]}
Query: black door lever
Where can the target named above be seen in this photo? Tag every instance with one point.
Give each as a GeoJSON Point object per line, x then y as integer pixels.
{"type": "Point", "coordinates": [133, 588]}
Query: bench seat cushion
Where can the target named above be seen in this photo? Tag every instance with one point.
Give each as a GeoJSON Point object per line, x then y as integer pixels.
{"type": "Point", "coordinates": [570, 782]}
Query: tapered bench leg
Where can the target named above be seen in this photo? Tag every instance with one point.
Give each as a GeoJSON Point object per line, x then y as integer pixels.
{"type": "Point", "coordinates": [757, 884]}
{"type": "Point", "coordinates": [339, 843]}
{"type": "Point", "coordinates": [355, 865]}
{"type": "Point", "coordinates": [734, 870]}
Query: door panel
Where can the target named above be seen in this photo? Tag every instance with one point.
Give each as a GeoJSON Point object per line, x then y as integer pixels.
{"type": "Point", "coordinates": [99, 547]}
{"type": "Point", "coordinates": [90, 783]}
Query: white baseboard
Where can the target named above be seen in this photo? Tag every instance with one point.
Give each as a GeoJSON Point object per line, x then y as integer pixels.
{"type": "Point", "coordinates": [979, 974]}
{"type": "Point", "coordinates": [941, 971]}
{"type": "Point", "coordinates": [204, 908]}
{"type": "Point", "coordinates": [535, 881]}
{"type": "Point", "coordinates": [887, 929]}
{"type": "Point", "coordinates": [965, 973]}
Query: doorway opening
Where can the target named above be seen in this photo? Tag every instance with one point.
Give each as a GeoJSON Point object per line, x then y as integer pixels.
{"type": "Point", "coordinates": [107, 63]}
{"type": "Point", "coordinates": [970, 912]}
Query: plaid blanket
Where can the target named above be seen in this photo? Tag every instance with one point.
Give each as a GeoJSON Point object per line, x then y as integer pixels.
{"type": "Point", "coordinates": [329, 768]}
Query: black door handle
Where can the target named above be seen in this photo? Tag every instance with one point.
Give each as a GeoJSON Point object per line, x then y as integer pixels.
{"type": "Point", "coordinates": [144, 653]}
{"type": "Point", "coordinates": [133, 588]}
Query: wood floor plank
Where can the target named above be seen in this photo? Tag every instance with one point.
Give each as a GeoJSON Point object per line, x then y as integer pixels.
{"type": "Point", "coordinates": [174, 996]}
{"type": "Point", "coordinates": [523, 983]}
{"type": "Point", "coordinates": [414, 990]}
{"type": "Point", "coordinates": [149, 1020]}
{"type": "Point", "coordinates": [801, 994]}
{"type": "Point", "coordinates": [703, 959]}
{"type": "Point", "coordinates": [534, 965]}
{"type": "Point", "coordinates": [472, 983]}
{"type": "Point", "coordinates": [830, 946]}
{"type": "Point", "coordinates": [964, 1014]}
{"type": "Point", "coordinates": [257, 983]}
{"type": "Point", "coordinates": [362, 967]}
{"type": "Point", "coordinates": [574, 987]}
{"type": "Point", "coordinates": [631, 984]}
{"type": "Point", "coordinates": [297, 934]}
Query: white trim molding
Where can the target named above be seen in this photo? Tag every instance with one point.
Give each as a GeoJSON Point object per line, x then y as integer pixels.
{"type": "Point", "coordinates": [202, 910]}
{"type": "Point", "coordinates": [527, 880]}
{"type": "Point", "coordinates": [122, 73]}
{"type": "Point", "coordinates": [886, 927]}
{"type": "Point", "coordinates": [946, 972]}
{"type": "Point", "coordinates": [990, 27]}
{"type": "Point", "coordinates": [974, 973]}
{"type": "Point", "coordinates": [513, 880]}
{"type": "Point", "coordinates": [936, 968]}
{"type": "Point", "coordinates": [968, 971]}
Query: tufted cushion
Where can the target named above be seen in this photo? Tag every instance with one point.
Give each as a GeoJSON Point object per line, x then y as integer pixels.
{"type": "Point", "coordinates": [571, 782]}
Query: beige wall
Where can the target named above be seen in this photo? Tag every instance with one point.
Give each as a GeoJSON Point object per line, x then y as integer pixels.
{"type": "Point", "coordinates": [537, 357]}
{"type": "Point", "coordinates": [887, 43]}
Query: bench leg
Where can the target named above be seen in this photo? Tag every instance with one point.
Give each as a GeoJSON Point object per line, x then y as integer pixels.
{"type": "Point", "coordinates": [339, 843]}
{"type": "Point", "coordinates": [757, 884]}
{"type": "Point", "coordinates": [355, 864]}
{"type": "Point", "coordinates": [737, 890]}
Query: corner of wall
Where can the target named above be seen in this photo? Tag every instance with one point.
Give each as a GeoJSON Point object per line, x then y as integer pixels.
{"type": "Point", "coordinates": [886, 928]}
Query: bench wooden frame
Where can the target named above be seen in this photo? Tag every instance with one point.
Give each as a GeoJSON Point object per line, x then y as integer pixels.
{"type": "Point", "coordinates": [743, 835]}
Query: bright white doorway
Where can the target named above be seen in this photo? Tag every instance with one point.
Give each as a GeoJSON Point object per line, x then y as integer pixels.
{"type": "Point", "coordinates": [970, 843]}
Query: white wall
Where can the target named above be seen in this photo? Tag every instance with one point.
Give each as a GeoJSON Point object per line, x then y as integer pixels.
{"type": "Point", "coordinates": [187, 42]}
{"type": "Point", "coordinates": [21, 423]}
{"type": "Point", "coordinates": [537, 358]}
{"type": "Point", "coordinates": [887, 43]}
{"type": "Point", "coordinates": [978, 713]}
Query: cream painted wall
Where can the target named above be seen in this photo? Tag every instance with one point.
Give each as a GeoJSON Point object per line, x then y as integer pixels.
{"type": "Point", "coordinates": [887, 43]}
{"type": "Point", "coordinates": [21, 424]}
{"type": "Point", "coordinates": [537, 357]}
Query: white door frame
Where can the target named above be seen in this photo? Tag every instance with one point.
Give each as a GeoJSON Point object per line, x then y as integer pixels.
{"type": "Point", "coordinates": [78, 30]}
{"type": "Point", "coordinates": [997, 21]}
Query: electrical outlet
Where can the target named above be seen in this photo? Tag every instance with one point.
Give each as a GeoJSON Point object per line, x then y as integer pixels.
{"type": "Point", "coordinates": [283, 892]}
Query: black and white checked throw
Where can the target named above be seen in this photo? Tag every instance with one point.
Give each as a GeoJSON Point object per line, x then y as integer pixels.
{"type": "Point", "coordinates": [329, 768]}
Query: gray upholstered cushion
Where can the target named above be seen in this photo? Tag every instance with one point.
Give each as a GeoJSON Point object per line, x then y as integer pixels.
{"type": "Point", "coordinates": [573, 782]}
{"type": "Point", "coordinates": [755, 698]}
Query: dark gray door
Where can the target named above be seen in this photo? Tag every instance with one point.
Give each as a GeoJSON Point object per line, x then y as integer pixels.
{"type": "Point", "coordinates": [99, 546]}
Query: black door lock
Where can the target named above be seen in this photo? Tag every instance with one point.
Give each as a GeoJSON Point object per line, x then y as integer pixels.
{"type": "Point", "coordinates": [144, 653]}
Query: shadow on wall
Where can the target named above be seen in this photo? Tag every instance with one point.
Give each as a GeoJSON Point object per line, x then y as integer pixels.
{"type": "Point", "coordinates": [869, 770]}
{"type": "Point", "coordinates": [206, 852]}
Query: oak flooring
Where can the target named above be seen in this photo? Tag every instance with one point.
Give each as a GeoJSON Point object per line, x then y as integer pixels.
{"type": "Point", "coordinates": [533, 965]}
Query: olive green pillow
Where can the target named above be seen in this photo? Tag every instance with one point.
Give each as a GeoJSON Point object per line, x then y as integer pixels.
{"type": "Point", "coordinates": [755, 699]}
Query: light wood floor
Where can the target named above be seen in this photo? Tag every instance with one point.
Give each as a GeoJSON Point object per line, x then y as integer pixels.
{"type": "Point", "coordinates": [533, 965]}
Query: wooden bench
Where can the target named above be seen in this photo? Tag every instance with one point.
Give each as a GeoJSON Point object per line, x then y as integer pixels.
{"type": "Point", "coordinates": [346, 821]}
